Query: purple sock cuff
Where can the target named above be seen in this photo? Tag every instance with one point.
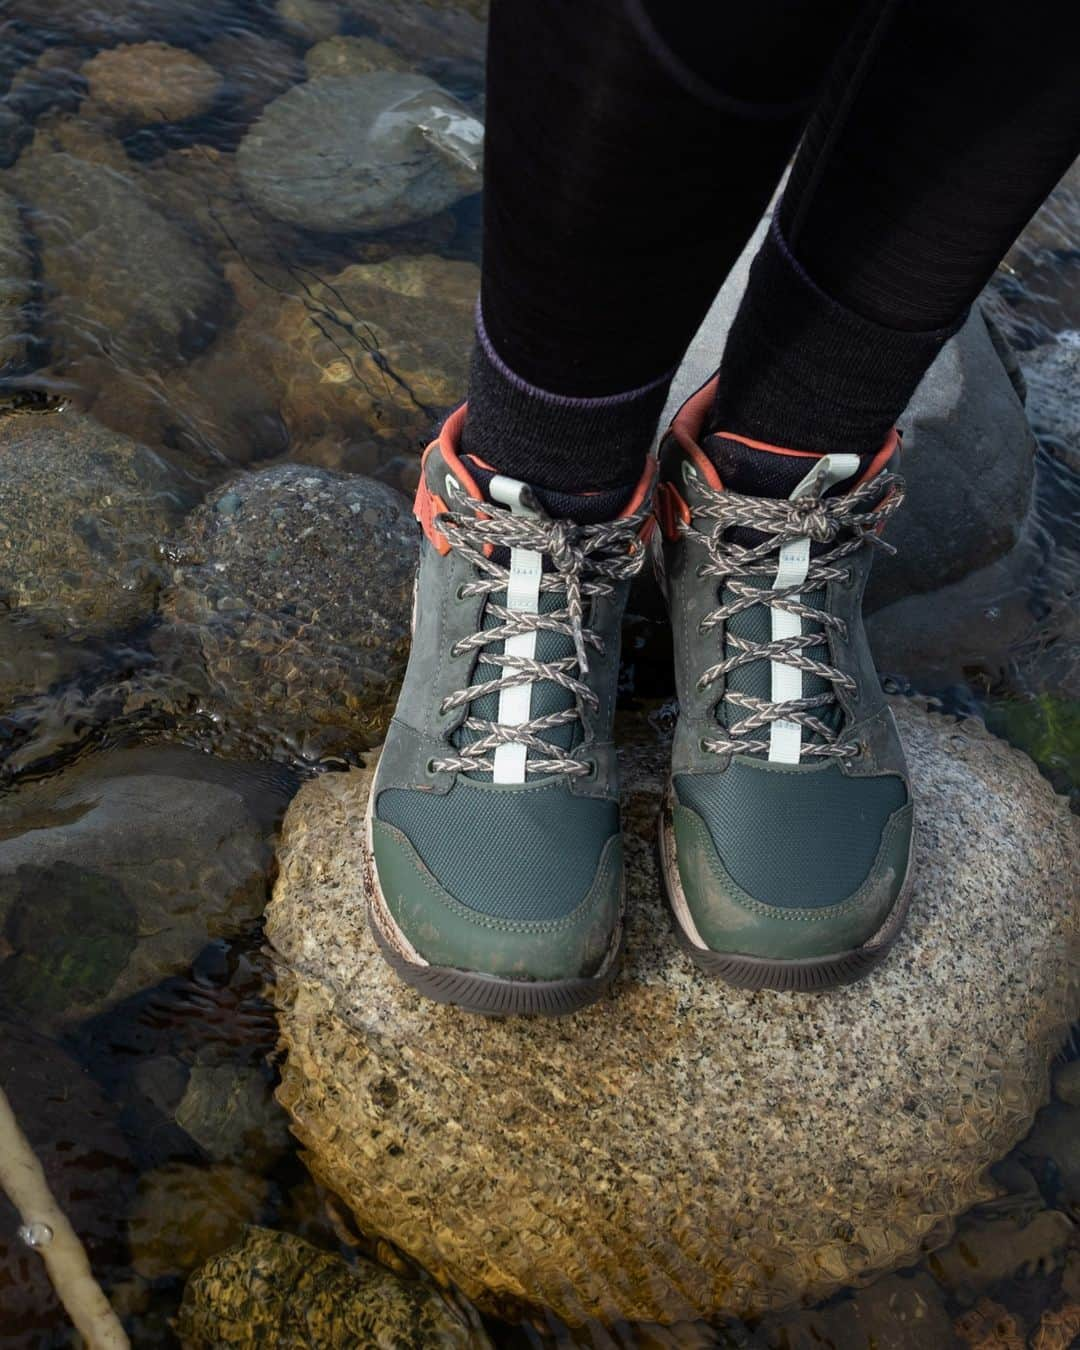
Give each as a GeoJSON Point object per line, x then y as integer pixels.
{"type": "Point", "coordinates": [567, 401]}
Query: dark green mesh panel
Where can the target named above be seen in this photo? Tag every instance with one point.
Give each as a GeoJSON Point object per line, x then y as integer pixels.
{"type": "Point", "coordinates": [513, 852]}
{"type": "Point", "coordinates": [800, 837]}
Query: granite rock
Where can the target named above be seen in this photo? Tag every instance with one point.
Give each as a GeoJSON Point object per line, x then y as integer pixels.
{"type": "Point", "coordinates": [686, 1148]}
{"type": "Point", "coordinates": [96, 229]}
{"type": "Point", "coordinates": [82, 511]}
{"type": "Point", "coordinates": [148, 82]}
{"type": "Point", "coordinates": [276, 1290]}
{"type": "Point", "coordinates": [361, 153]}
{"type": "Point", "coordinates": [294, 585]}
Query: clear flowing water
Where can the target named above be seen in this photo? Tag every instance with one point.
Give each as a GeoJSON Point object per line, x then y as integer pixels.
{"type": "Point", "coordinates": [168, 680]}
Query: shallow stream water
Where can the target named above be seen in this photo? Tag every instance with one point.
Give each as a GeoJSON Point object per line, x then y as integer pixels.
{"type": "Point", "coordinates": [169, 679]}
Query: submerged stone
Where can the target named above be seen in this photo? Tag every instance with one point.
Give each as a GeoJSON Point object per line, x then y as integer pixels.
{"type": "Point", "coordinates": [361, 153]}
{"type": "Point", "coordinates": [16, 286]}
{"type": "Point", "coordinates": [276, 1290]}
{"type": "Point", "coordinates": [688, 1149]}
{"type": "Point", "coordinates": [120, 279]}
{"type": "Point", "coordinates": [114, 875]}
{"type": "Point", "coordinates": [148, 82]}
{"type": "Point", "coordinates": [82, 512]}
{"type": "Point", "coordinates": [296, 596]}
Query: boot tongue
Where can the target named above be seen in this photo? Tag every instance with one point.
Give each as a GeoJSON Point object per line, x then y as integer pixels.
{"type": "Point", "coordinates": [584, 508]}
{"type": "Point", "coordinates": [755, 472]}
{"type": "Point", "coordinates": [547, 697]}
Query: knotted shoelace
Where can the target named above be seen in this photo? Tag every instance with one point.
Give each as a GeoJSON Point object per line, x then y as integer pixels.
{"type": "Point", "coordinates": [586, 561]}
{"type": "Point", "coordinates": [853, 520]}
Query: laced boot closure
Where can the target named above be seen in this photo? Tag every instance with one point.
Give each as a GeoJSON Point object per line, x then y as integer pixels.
{"type": "Point", "coordinates": [572, 564]}
{"type": "Point", "coordinates": [494, 849]}
{"type": "Point", "coordinates": [803, 542]}
{"type": "Point", "coordinates": [786, 830]}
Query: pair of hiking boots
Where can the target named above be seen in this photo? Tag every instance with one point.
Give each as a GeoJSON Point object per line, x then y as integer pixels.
{"type": "Point", "coordinates": [495, 859]}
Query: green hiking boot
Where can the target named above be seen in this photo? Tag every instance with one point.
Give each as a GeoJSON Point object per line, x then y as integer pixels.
{"type": "Point", "coordinates": [494, 848]}
{"type": "Point", "coordinates": [785, 836]}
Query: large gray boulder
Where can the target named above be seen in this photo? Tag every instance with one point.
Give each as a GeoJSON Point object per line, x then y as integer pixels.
{"type": "Point", "coordinates": [361, 152]}
{"type": "Point", "coordinates": [968, 544]}
{"type": "Point", "coordinates": [688, 1149]}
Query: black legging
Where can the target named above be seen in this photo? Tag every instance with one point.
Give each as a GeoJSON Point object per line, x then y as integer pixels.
{"type": "Point", "coordinates": [633, 144]}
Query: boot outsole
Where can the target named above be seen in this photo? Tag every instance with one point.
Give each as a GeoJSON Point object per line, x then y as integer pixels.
{"type": "Point", "coordinates": [807, 974]}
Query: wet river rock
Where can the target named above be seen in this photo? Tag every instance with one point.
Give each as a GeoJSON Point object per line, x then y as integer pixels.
{"type": "Point", "coordinates": [82, 512]}
{"type": "Point", "coordinates": [96, 230]}
{"type": "Point", "coordinates": [116, 873]}
{"type": "Point", "coordinates": [361, 153]}
{"type": "Point", "coordinates": [148, 82]}
{"type": "Point", "coordinates": [377, 352]}
{"type": "Point", "coordinates": [274, 1289]}
{"type": "Point", "coordinates": [16, 285]}
{"type": "Point", "coordinates": [686, 1149]}
{"type": "Point", "coordinates": [295, 584]}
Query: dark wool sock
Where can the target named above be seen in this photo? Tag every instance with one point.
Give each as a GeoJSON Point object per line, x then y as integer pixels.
{"type": "Point", "coordinates": [803, 372]}
{"type": "Point", "coordinates": [764, 473]}
{"type": "Point", "coordinates": [552, 440]}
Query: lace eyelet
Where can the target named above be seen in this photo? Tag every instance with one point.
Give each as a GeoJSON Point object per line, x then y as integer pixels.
{"type": "Point", "coordinates": [430, 769]}
{"type": "Point", "coordinates": [699, 571]}
{"type": "Point", "coordinates": [703, 745]}
{"type": "Point", "coordinates": [459, 594]}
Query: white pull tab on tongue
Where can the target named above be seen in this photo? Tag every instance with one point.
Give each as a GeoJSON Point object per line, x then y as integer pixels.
{"type": "Point", "coordinates": [785, 738]}
{"type": "Point", "coordinates": [523, 595]}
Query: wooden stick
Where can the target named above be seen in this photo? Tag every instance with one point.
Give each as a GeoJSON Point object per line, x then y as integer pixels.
{"type": "Point", "coordinates": [46, 1229]}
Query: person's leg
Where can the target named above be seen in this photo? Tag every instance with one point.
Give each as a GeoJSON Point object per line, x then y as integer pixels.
{"type": "Point", "coordinates": [787, 844]}
{"type": "Point", "coordinates": [621, 183]}
{"type": "Point", "coordinates": [936, 139]}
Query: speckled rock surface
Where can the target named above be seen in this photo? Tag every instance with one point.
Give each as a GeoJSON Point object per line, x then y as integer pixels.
{"type": "Point", "coordinates": [361, 152]}
{"type": "Point", "coordinates": [686, 1148]}
{"type": "Point", "coordinates": [82, 510]}
{"type": "Point", "coordinates": [275, 1289]}
{"type": "Point", "coordinates": [295, 586]}
{"type": "Point", "coordinates": [148, 82]}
